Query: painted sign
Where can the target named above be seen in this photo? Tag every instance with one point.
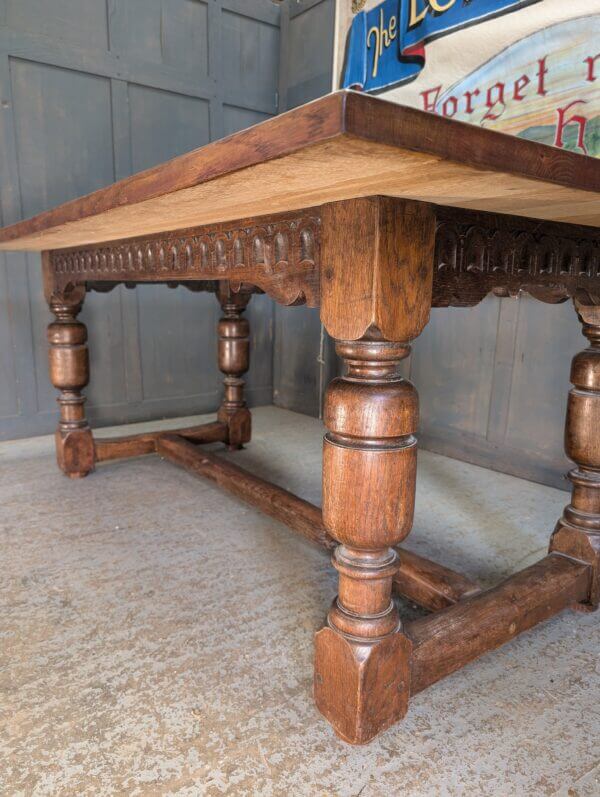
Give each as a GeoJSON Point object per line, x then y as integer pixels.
{"type": "Point", "coordinates": [534, 73]}
{"type": "Point", "coordinates": [545, 87]}
{"type": "Point", "coordinates": [387, 44]}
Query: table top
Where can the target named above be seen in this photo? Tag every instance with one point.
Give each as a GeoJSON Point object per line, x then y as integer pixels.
{"type": "Point", "coordinates": [341, 146]}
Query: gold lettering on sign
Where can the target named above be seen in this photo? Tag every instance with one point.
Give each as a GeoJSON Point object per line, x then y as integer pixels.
{"type": "Point", "coordinates": [441, 7]}
{"type": "Point", "coordinates": [416, 16]}
{"type": "Point", "coordinates": [383, 36]}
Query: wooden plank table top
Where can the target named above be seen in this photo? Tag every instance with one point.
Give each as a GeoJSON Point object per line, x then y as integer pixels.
{"type": "Point", "coordinates": [342, 146]}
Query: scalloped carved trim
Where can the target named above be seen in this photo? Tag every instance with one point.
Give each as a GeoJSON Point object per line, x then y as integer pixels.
{"type": "Point", "coordinates": [481, 253]}
{"type": "Point", "coordinates": [475, 254]}
{"type": "Point", "coordinates": [276, 254]}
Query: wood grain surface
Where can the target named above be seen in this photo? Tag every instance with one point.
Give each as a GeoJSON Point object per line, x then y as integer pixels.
{"type": "Point", "coordinates": [476, 253]}
{"type": "Point", "coordinates": [386, 284]}
{"type": "Point", "coordinates": [447, 640]}
{"type": "Point", "coordinates": [341, 146]}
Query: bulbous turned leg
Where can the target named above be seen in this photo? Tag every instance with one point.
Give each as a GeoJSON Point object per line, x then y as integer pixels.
{"type": "Point", "coordinates": [577, 533]}
{"type": "Point", "coordinates": [69, 373]}
{"type": "Point", "coordinates": [234, 360]}
{"type": "Point", "coordinates": [362, 666]}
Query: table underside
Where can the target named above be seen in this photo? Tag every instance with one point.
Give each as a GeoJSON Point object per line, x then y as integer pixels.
{"type": "Point", "coordinates": [374, 266]}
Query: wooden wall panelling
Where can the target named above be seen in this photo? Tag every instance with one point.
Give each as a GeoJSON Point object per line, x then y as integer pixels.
{"type": "Point", "coordinates": [235, 118]}
{"type": "Point", "coordinates": [483, 413]}
{"type": "Point", "coordinates": [123, 159]}
{"type": "Point", "coordinates": [233, 108]}
{"type": "Point", "coordinates": [265, 32]}
{"type": "Point", "coordinates": [259, 379]}
{"type": "Point", "coordinates": [169, 32]}
{"type": "Point", "coordinates": [164, 125]}
{"type": "Point", "coordinates": [185, 41]}
{"type": "Point", "coordinates": [77, 22]}
{"type": "Point", "coordinates": [17, 383]}
{"type": "Point", "coordinates": [503, 370]}
{"type": "Point", "coordinates": [546, 340]}
{"type": "Point", "coordinates": [174, 371]}
{"type": "Point", "coordinates": [55, 109]}
{"type": "Point", "coordinates": [532, 355]}
{"type": "Point", "coordinates": [84, 115]}
{"type": "Point", "coordinates": [263, 10]}
{"type": "Point", "coordinates": [296, 355]}
{"type": "Point", "coordinates": [215, 51]}
{"type": "Point", "coordinates": [249, 47]}
{"type": "Point", "coordinates": [91, 59]}
{"type": "Point", "coordinates": [309, 51]}
{"type": "Point", "coordinates": [303, 355]}
{"type": "Point", "coordinates": [457, 340]}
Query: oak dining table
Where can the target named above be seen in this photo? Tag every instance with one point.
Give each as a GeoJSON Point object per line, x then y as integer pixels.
{"type": "Point", "coordinates": [374, 213]}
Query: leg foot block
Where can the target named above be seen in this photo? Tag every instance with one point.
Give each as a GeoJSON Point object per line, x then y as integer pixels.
{"type": "Point", "coordinates": [239, 424]}
{"type": "Point", "coordinates": [75, 452]}
{"type": "Point", "coordinates": [585, 547]}
{"type": "Point", "coordinates": [361, 688]}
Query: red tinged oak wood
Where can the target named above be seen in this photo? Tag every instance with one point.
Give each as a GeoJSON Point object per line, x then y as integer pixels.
{"type": "Point", "coordinates": [430, 584]}
{"type": "Point", "coordinates": [374, 249]}
{"type": "Point", "coordinates": [234, 361]}
{"type": "Point", "coordinates": [369, 118]}
{"type": "Point", "coordinates": [369, 469]}
{"type": "Point", "coordinates": [362, 689]}
{"type": "Point", "coordinates": [275, 253]}
{"type": "Point", "coordinates": [449, 639]}
{"type": "Point", "coordinates": [480, 253]}
{"type": "Point", "coordinates": [475, 254]}
{"type": "Point", "coordinates": [577, 533]}
{"type": "Point", "coordinates": [135, 445]}
{"type": "Point", "coordinates": [68, 361]}
{"type": "Point", "coordinates": [139, 444]}
{"type": "Point", "coordinates": [377, 253]}
{"type": "Point", "coordinates": [274, 501]}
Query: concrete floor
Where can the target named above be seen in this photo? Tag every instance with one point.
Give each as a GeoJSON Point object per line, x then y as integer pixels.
{"type": "Point", "coordinates": [157, 638]}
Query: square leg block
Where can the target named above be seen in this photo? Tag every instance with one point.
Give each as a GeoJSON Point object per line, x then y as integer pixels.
{"type": "Point", "coordinates": [361, 688]}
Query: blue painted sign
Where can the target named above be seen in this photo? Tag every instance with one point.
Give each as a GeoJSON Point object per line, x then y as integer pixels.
{"type": "Point", "coordinates": [386, 45]}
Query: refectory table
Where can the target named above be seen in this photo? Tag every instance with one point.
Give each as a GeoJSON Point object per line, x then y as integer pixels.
{"type": "Point", "coordinates": [375, 213]}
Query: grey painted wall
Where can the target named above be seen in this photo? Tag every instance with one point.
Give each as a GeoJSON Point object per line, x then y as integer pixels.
{"type": "Point", "coordinates": [493, 379]}
{"type": "Point", "coordinates": [91, 91]}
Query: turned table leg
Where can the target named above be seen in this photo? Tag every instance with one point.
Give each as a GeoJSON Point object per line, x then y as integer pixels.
{"type": "Point", "coordinates": [69, 373]}
{"type": "Point", "coordinates": [376, 284]}
{"type": "Point", "coordinates": [577, 533]}
{"type": "Point", "coordinates": [234, 360]}
{"type": "Point", "coordinates": [362, 668]}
